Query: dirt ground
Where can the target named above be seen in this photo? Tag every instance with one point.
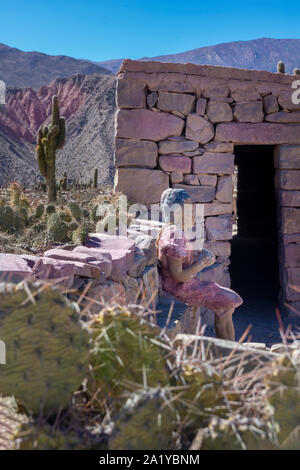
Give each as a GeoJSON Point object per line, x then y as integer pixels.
{"type": "Point", "coordinates": [260, 315]}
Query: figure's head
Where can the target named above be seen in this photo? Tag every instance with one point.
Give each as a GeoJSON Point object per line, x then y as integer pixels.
{"type": "Point", "coordinates": [172, 204]}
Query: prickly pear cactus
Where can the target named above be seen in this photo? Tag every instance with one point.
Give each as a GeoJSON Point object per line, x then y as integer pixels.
{"type": "Point", "coordinates": [22, 213]}
{"type": "Point", "coordinates": [80, 235]}
{"type": "Point", "coordinates": [283, 382]}
{"type": "Point", "coordinates": [238, 433]}
{"type": "Point", "coordinates": [7, 219]}
{"type": "Point", "coordinates": [126, 350]}
{"type": "Point", "coordinates": [45, 437]}
{"type": "Point", "coordinates": [50, 139]}
{"type": "Point", "coordinates": [75, 211]}
{"type": "Point", "coordinates": [73, 226]}
{"type": "Point", "coordinates": [50, 209]}
{"type": "Point", "coordinates": [202, 396]}
{"type": "Point", "coordinates": [39, 211]}
{"type": "Point", "coordinates": [57, 229]}
{"type": "Point", "coordinates": [146, 421]}
{"type": "Point", "coordinates": [46, 347]}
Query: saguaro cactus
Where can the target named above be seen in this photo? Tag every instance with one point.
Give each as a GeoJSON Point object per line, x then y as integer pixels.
{"type": "Point", "coordinates": [50, 139]}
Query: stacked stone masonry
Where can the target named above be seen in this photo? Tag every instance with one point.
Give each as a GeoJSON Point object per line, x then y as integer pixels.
{"type": "Point", "coordinates": [107, 268]}
{"type": "Point", "coordinates": [177, 125]}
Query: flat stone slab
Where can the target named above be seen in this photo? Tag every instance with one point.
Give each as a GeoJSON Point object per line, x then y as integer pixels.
{"type": "Point", "coordinates": [148, 184]}
{"type": "Point", "coordinates": [214, 163]}
{"type": "Point", "coordinates": [175, 102]}
{"type": "Point", "coordinates": [132, 152]}
{"type": "Point", "coordinates": [14, 268]}
{"type": "Point", "coordinates": [177, 146]}
{"type": "Point", "coordinates": [148, 125]}
{"type": "Point", "coordinates": [48, 268]}
{"type": "Point", "coordinates": [51, 268]}
{"type": "Point", "coordinates": [175, 163]}
{"type": "Point", "coordinates": [263, 133]}
{"type": "Point", "coordinates": [102, 262]}
{"type": "Point", "coordinates": [284, 117]}
{"type": "Point", "coordinates": [198, 193]}
{"type": "Point", "coordinates": [287, 157]}
{"type": "Point", "coordinates": [121, 250]}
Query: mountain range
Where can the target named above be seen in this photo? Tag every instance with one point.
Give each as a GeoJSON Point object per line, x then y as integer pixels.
{"type": "Point", "coordinates": [257, 54]}
{"type": "Point", "coordinates": [86, 92]}
{"type": "Point", "coordinates": [34, 69]}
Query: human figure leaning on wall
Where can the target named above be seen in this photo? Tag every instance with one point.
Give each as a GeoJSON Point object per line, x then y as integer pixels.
{"type": "Point", "coordinates": [178, 270]}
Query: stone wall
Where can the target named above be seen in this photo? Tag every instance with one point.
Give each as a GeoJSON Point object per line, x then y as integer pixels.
{"type": "Point", "coordinates": [106, 268]}
{"type": "Point", "coordinates": [177, 125]}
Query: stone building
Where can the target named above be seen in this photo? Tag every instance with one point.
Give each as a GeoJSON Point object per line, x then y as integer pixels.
{"type": "Point", "coordinates": [231, 139]}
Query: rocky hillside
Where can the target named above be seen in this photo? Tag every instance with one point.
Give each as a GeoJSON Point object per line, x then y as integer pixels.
{"type": "Point", "coordinates": [17, 160]}
{"type": "Point", "coordinates": [34, 69]}
{"type": "Point", "coordinates": [258, 54]}
{"type": "Point", "coordinates": [88, 103]}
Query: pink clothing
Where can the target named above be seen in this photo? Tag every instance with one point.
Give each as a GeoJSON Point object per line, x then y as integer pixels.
{"type": "Point", "coordinates": [194, 292]}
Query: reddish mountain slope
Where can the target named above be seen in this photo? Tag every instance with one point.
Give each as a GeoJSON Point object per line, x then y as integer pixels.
{"type": "Point", "coordinates": [26, 109]}
{"type": "Point", "coordinates": [87, 102]}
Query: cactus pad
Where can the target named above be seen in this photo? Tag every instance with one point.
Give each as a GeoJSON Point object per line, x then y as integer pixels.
{"type": "Point", "coordinates": [46, 348]}
{"type": "Point", "coordinates": [146, 421]}
{"type": "Point", "coordinates": [126, 350]}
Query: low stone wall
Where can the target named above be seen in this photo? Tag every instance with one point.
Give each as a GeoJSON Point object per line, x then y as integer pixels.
{"type": "Point", "coordinates": [177, 125]}
{"type": "Point", "coordinates": [114, 267]}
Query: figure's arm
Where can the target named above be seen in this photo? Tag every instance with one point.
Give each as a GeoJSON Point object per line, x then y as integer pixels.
{"type": "Point", "coordinates": [180, 274]}
{"type": "Point", "coordinates": [207, 257]}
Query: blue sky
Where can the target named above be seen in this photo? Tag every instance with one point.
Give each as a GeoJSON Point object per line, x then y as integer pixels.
{"type": "Point", "coordinates": [100, 30]}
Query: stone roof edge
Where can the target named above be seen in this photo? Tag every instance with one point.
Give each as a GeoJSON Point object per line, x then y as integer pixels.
{"type": "Point", "coordinates": [214, 71]}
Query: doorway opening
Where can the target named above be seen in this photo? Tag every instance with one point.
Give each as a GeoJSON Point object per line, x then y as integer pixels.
{"type": "Point", "coordinates": [254, 265]}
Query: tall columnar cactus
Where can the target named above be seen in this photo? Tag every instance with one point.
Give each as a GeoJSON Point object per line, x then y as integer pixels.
{"type": "Point", "coordinates": [95, 178]}
{"type": "Point", "coordinates": [50, 139]}
{"type": "Point", "coordinates": [46, 347]}
{"type": "Point", "coordinates": [280, 67]}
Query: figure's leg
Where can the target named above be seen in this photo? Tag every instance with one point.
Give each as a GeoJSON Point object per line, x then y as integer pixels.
{"type": "Point", "coordinates": [230, 328]}
{"type": "Point", "coordinates": [220, 300]}
{"type": "Point", "coordinates": [224, 326]}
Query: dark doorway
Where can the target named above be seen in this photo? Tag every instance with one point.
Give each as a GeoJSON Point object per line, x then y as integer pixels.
{"type": "Point", "coordinates": [254, 260]}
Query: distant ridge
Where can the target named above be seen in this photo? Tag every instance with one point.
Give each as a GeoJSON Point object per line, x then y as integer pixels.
{"type": "Point", "coordinates": [257, 54]}
{"type": "Point", "coordinates": [33, 69]}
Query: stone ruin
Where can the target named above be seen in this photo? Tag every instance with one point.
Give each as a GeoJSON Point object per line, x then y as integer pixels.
{"type": "Point", "coordinates": [195, 127]}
